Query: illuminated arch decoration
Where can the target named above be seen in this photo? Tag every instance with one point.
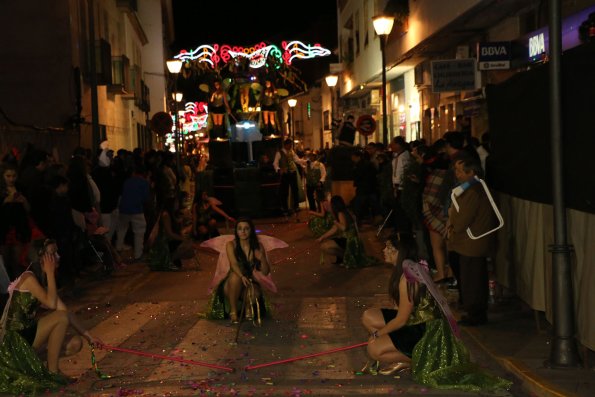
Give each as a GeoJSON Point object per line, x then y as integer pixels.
{"type": "Point", "coordinates": [257, 55]}
{"type": "Point", "coordinates": [195, 117]}
{"type": "Point", "coordinates": [205, 53]}
{"type": "Point", "coordinates": [298, 50]}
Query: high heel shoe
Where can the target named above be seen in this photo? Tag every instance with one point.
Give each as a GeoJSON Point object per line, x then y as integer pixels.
{"type": "Point", "coordinates": [395, 368]}
{"type": "Point", "coordinates": [233, 317]}
{"type": "Point", "coordinates": [371, 367]}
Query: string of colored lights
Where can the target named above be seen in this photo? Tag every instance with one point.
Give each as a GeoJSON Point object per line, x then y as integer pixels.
{"type": "Point", "coordinates": [257, 54]}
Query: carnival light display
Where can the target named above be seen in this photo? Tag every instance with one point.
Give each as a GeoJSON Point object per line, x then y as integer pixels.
{"type": "Point", "coordinates": [195, 117]}
{"type": "Point", "coordinates": [257, 54]}
{"type": "Point", "coordinates": [297, 49]}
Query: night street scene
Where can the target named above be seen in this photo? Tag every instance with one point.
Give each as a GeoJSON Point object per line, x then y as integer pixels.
{"type": "Point", "coordinates": [309, 198]}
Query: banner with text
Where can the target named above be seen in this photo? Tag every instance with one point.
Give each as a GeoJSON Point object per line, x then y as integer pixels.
{"type": "Point", "coordinates": [453, 75]}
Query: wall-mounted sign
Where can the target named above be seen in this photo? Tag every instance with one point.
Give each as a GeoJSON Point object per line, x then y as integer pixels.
{"type": "Point", "coordinates": [366, 125]}
{"type": "Point", "coordinates": [537, 46]}
{"type": "Point", "coordinates": [453, 75]}
{"type": "Point", "coordinates": [538, 41]}
{"type": "Point", "coordinates": [494, 55]}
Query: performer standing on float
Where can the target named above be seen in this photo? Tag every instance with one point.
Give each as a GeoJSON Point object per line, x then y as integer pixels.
{"type": "Point", "coordinates": [268, 106]}
{"type": "Point", "coordinates": [218, 107]}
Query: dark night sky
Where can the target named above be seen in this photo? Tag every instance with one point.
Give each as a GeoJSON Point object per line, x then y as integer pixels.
{"type": "Point", "coordinates": [246, 23]}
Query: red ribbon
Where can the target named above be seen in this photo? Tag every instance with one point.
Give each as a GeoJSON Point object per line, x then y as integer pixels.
{"type": "Point", "coordinates": [288, 360]}
{"type": "Point", "coordinates": [152, 355]}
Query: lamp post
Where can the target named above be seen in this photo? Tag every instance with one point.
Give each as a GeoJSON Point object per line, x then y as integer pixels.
{"type": "Point", "coordinates": [331, 81]}
{"type": "Point", "coordinates": [292, 102]}
{"type": "Point", "coordinates": [383, 24]}
{"type": "Point", "coordinates": [174, 66]}
{"type": "Point", "coordinates": [177, 96]}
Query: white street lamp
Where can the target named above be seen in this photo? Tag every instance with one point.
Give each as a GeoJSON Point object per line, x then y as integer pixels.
{"type": "Point", "coordinates": [174, 66]}
{"type": "Point", "coordinates": [292, 102]}
{"type": "Point", "coordinates": [331, 81]}
{"type": "Point", "coordinates": [383, 24]}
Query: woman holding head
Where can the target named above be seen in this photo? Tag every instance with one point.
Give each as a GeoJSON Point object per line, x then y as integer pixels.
{"type": "Point", "coordinates": [21, 333]}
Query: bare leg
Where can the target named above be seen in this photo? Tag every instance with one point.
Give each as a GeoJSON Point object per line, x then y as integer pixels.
{"type": "Point", "coordinates": [272, 119]}
{"type": "Point", "coordinates": [373, 320]}
{"type": "Point", "coordinates": [439, 251]}
{"type": "Point", "coordinates": [383, 350]}
{"type": "Point", "coordinates": [217, 119]}
{"type": "Point", "coordinates": [52, 328]}
{"type": "Point", "coordinates": [232, 289]}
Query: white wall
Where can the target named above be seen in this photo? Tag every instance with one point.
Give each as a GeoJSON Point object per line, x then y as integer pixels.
{"type": "Point", "coordinates": [154, 54]}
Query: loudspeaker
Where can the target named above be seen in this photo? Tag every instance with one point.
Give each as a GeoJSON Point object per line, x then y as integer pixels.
{"type": "Point", "coordinates": [220, 154]}
{"type": "Point", "coordinates": [239, 152]}
{"type": "Point", "coordinates": [267, 146]}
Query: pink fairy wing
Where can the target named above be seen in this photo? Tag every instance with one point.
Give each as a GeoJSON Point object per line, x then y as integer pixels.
{"type": "Point", "coordinates": [270, 243]}
{"type": "Point", "coordinates": [415, 272]}
{"type": "Point", "coordinates": [218, 244]}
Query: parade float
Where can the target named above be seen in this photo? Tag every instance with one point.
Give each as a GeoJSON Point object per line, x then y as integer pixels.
{"type": "Point", "coordinates": [241, 144]}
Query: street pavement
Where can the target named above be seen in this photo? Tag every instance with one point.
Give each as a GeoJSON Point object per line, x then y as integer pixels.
{"type": "Point", "coordinates": [317, 308]}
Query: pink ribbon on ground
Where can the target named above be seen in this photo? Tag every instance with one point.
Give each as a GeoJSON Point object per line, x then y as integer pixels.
{"type": "Point", "coordinates": [289, 360]}
{"type": "Point", "coordinates": [169, 358]}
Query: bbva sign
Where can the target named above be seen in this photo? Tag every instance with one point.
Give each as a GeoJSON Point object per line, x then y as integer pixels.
{"type": "Point", "coordinates": [494, 51]}
{"type": "Point", "coordinates": [536, 45]}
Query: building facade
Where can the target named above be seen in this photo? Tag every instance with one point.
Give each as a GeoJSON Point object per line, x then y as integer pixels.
{"type": "Point", "coordinates": [431, 44]}
{"type": "Point", "coordinates": [47, 89]}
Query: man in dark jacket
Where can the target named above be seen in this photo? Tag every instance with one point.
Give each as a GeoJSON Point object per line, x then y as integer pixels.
{"type": "Point", "coordinates": [467, 256]}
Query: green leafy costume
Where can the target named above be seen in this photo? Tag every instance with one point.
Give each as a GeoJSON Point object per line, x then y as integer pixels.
{"type": "Point", "coordinates": [21, 370]}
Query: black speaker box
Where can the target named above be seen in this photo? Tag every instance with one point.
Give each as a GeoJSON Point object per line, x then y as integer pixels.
{"type": "Point", "coordinates": [267, 146]}
{"type": "Point", "coordinates": [220, 154]}
{"type": "Point", "coordinates": [239, 152]}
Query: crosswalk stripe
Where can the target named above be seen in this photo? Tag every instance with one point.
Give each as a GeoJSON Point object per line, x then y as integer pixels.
{"type": "Point", "coordinates": [322, 325]}
{"type": "Point", "coordinates": [114, 330]}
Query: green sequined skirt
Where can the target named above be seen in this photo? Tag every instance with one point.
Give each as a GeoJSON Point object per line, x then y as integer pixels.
{"type": "Point", "coordinates": [21, 370]}
{"type": "Point", "coordinates": [441, 361]}
{"type": "Point", "coordinates": [218, 307]}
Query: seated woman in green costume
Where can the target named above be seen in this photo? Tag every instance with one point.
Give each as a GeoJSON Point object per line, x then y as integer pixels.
{"type": "Point", "coordinates": [170, 246]}
{"type": "Point", "coordinates": [342, 239]}
{"type": "Point", "coordinates": [420, 334]}
{"type": "Point", "coordinates": [21, 371]}
{"type": "Point", "coordinates": [322, 221]}
{"type": "Point", "coordinates": [204, 208]}
{"type": "Point", "coordinates": [242, 271]}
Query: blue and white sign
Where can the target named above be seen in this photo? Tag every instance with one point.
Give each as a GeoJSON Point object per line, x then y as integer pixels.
{"type": "Point", "coordinates": [494, 55]}
{"type": "Point", "coordinates": [537, 46]}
